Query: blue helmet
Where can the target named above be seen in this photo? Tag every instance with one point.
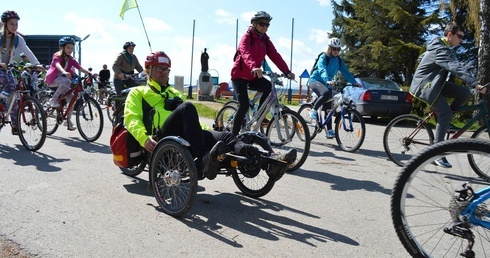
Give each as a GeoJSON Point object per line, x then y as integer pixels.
{"type": "Point", "coordinates": [66, 40]}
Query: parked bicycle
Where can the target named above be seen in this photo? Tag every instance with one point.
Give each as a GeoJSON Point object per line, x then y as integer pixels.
{"type": "Point", "coordinates": [440, 212]}
{"type": "Point", "coordinates": [89, 117]}
{"type": "Point", "coordinates": [407, 134]}
{"type": "Point", "coordinates": [31, 119]}
{"type": "Point", "coordinates": [285, 130]}
{"type": "Point", "coordinates": [350, 128]}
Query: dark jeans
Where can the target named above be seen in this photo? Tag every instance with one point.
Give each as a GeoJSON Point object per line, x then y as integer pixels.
{"type": "Point", "coordinates": [324, 94]}
{"type": "Point", "coordinates": [120, 85]}
{"type": "Point", "coordinates": [184, 122]}
{"type": "Point", "coordinates": [241, 86]}
{"type": "Point", "coordinates": [444, 111]}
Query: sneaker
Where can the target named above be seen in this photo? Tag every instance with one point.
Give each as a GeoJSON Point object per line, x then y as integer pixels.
{"type": "Point", "coordinates": [442, 162]}
{"type": "Point", "coordinates": [276, 170]}
{"type": "Point", "coordinates": [70, 125]}
{"type": "Point", "coordinates": [313, 114]}
{"type": "Point", "coordinates": [210, 160]}
{"type": "Point", "coordinates": [54, 103]}
{"type": "Point", "coordinates": [330, 134]}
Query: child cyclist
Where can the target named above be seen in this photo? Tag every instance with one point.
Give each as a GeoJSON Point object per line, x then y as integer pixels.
{"type": "Point", "coordinates": [61, 72]}
{"type": "Point", "coordinates": [10, 44]}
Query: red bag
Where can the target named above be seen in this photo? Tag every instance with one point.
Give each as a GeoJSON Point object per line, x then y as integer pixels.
{"type": "Point", "coordinates": [126, 150]}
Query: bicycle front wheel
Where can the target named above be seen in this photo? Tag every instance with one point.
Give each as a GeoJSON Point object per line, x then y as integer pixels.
{"type": "Point", "coordinates": [31, 122]}
{"type": "Point", "coordinates": [90, 120]}
{"type": "Point", "coordinates": [350, 130]}
{"type": "Point", "coordinates": [405, 136]}
{"type": "Point", "coordinates": [304, 112]}
{"type": "Point", "coordinates": [480, 166]}
{"type": "Point", "coordinates": [290, 131]}
{"type": "Point", "coordinates": [434, 211]}
{"type": "Point", "coordinates": [111, 107]}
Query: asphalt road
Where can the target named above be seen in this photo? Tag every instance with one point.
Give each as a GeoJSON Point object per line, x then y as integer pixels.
{"type": "Point", "coordinates": [69, 200]}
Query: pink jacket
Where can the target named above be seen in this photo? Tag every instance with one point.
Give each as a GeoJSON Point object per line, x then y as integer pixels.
{"type": "Point", "coordinates": [53, 71]}
{"type": "Point", "coordinates": [251, 54]}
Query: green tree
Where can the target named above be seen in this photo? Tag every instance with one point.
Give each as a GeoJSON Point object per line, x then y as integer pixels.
{"type": "Point", "coordinates": [383, 38]}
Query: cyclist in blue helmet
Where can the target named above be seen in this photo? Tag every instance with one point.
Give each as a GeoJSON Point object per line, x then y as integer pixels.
{"type": "Point", "coordinates": [11, 44]}
{"type": "Point", "coordinates": [60, 73]}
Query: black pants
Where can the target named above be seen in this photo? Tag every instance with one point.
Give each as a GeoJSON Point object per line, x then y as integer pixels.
{"type": "Point", "coordinates": [324, 94]}
{"type": "Point", "coordinates": [241, 86]}
{"type": "Point", "coordinates": [119, 85]}
{"type": "Point", "coordinates": [184, 122]}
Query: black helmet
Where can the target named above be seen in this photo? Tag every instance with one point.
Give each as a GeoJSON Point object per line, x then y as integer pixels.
{"type": "Point", "coordinates": [8, 15]}
{"type": "Point", "coordinates": [66, 40]}
{"type": "Point", "coordinates": [261, 15]}
{"type": "Point", "coordinates": [128, 44]}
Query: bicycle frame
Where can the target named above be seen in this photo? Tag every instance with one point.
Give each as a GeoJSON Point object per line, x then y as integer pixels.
{"type": "Point", "coordinates": [343, 106]}
{"type": "Point", "coordinates": [75, 90]}
{"type": "Point", "coordinates": [16, 95]}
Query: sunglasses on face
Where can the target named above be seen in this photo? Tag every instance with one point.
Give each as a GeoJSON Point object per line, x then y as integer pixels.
{"type": "Point", "coordinates": [264, 24]}
{"type": "Point", "coordinates": [336, 49]}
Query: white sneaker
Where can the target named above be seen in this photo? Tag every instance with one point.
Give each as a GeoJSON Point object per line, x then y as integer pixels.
{"type": "Point", "coordinates": [70, 125]}
{"type": "Point", "coordinates": [54, 103]}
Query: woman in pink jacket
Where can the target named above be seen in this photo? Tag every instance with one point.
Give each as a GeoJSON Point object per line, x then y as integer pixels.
{"type": "Point", "coordinates": [247, 72]}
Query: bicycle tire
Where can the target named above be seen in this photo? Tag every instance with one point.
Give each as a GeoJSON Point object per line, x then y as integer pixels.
{"type": "Point", "coordinates": [301, 132]}
{"type": "Point", "coordinates": [424, 203]}
{"type": "Point", "coordinates": [89, 118]}
{"type": "Point", "coordinates": [259, 185]}
{"type": "Point", "coordinates": [395, 138]}
{"type": "Point", "coordinates": [111, 107]}
{"type": "Point", "coordinates": [347, 139]}
{"type": "Point", "coordinates": [134, 170]}
{"type": "Point", "coordinates": [173, 176]}
{"type": "Point", "coordinates": [304, 111]}
{"type": "Point", "coordinates": [53, 116]}
{"type": "Point", "coordinates": [31, 123]}
{"type": "Point", "coordinates": [224, 118]}
{"type": "Point", "coordinates": [480, 166]}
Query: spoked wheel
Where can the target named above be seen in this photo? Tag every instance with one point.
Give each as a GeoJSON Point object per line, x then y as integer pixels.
{"type": "Point", "coordinates": [111, 107]}
{"type": "Point", "coordinates": [251, 184]}
{"type": "Point", "coordinates": [31, 122]}
{"type": "Point", "coordinates": [90, 120]}
{"type": "Point", "coordinates": [134, 170]}
{"type": "Point", "coordinates": [173, 176]}
{"type": "Point", "coordinates": [350, 130]}
{"type": "Point", "coordinates": [53, 116]}
{"type": "Point", "coordinates": [224, 119]}
{"type": "Point", "coordinates": [304, 112]}
{"type": "Point", "coordinates": [480, 166]}
{"type": "Point", "coordinates": [441, 212]}
{"type": "Point", "coordinates": [406, 136]}
{"type": "Point", "coordinates": [290, 131]}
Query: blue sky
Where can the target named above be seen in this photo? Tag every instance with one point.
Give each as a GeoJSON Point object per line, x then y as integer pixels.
{"type": "Point", "coordinates": [169, 25]}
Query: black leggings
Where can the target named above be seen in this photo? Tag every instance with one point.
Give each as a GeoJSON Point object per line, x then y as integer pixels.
{"type": "Point", "coordinates": [119, 85]}
{"type": "Point", "coordinates": [324, 94]}
{"type": "Point", "coordinates": [241, 86]}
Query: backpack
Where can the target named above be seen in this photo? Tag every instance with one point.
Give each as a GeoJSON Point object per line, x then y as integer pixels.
{"type": "Point", "coordinates": [237, 53]}
{"type": "Point", "coordinates": [316, 61]}
{"type": "Point", "coordinates": [126, 150]}
{"type": "Point", "coordinates": [16, 41]}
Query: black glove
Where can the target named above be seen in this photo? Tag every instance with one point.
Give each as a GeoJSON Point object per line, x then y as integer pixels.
{"type": "Point", "coordinates": [172, 103]}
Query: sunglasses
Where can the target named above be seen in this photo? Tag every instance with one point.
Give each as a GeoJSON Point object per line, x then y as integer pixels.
{"type": "Point", "coordinates": [160, 69]}
{"type": "Point", "coordinates": [336, 49]}
{"type": "Point", "coordinates": [263, 24]}
{"type": "Point", "coordinates": [460, 36]}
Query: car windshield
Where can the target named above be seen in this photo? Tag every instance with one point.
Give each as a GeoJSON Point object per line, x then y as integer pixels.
{"type": "Point", "coordinates": [380, 84]}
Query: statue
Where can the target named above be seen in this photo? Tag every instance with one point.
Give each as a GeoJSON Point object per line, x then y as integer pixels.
{"type": "Point", "coordinates": [204, 61]}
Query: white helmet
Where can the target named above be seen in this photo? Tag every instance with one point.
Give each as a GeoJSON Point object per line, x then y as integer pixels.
{"type": "Point", "coordinates": [335, 42]}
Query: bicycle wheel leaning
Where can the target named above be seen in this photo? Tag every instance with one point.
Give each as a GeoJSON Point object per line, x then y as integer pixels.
{"type": "Point", "coordinates": [405, 136]}
{"type": "Point", "coordinates": [173, 177]}
{"type": "Point", "coordinates": [89, 117]}
{"type": "Point", "coordinates": [290, 131]}
{"type": "Point", "coordinates": [31, 122]}
{"type": "Point", "coordinates": [350, 130]}
{"type": "Point", "coordinates": [439, 212]}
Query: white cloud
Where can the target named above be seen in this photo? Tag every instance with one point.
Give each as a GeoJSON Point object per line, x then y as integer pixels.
{"type": "Point", "coordinates": [224, 17]}
{"type": "Point", "coordinates": [319, 36]}
{"type": "Point", "coordinates": [324, 2]}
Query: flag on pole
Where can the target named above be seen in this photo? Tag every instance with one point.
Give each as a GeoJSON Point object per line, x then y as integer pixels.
{"type": "Point", "coordinates": [128, 4]}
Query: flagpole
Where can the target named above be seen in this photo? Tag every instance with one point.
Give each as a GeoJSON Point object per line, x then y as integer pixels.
{"type": "Point", "coordinates": [189, 94]}
{"type": "Point", "coordinates": [236, 35]}
{"type": "Point", "coordinates": [144, 28]}
{"type": "Point", "coordinates": [290, 91]}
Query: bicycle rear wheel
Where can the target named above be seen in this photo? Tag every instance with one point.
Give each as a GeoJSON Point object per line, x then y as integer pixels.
{"type": "Point", "coordinates": [90, 120]}
{"type": "Point", "coordinates": [406, 136]}
{"type": "Point", "coordinates": [53, 116]}
{"type": "Point", "coordinates": [31, 122]}
{"type": "Point", "coordinates": [480, 166]}
{"type": "Point", "coordinates": [111, 107]}
{"type": "Point", "coordinates": [350, 130]}
{"type": "Point", "coordinates": [290, 131]}
{"type": "Point", "coordinates": [428, 203]}
{"type": "Point", "coordinates": [224, 119]}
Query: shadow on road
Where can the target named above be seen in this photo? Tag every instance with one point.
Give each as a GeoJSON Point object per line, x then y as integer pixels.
{"type": "Point", "coordinates": [23, 157]}
{"type": "Point", "coordinates": [80, 143]}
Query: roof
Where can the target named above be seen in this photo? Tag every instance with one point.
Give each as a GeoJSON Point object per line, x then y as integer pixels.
{"type": "Point", "coordinates": [50, 37]}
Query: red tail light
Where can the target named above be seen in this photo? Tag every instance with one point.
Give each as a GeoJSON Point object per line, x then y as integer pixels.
{"type": "Point", "coordinates": [409, 98]}
{"type": "Point", "coordinates": [366, 96]}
